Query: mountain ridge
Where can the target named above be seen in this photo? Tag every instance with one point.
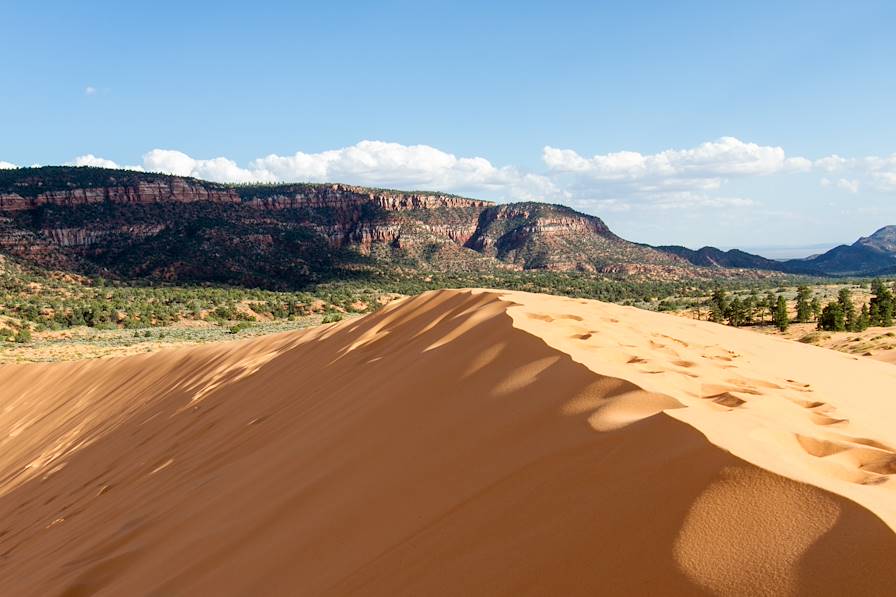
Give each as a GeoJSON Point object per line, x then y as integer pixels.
{"type": "Point", "coordinates": [869, 255]}
{"type": "Point", "coordinates": [130, 224]}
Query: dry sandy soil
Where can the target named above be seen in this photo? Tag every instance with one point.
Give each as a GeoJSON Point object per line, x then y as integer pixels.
{"type": "Point", "coordinates": [876, 343]}
{"type": "Point", "coordinates": [455, 443]}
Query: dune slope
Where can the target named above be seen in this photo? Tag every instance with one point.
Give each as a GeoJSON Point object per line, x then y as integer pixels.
{"type": "Point", "coordinates": [474, 442]}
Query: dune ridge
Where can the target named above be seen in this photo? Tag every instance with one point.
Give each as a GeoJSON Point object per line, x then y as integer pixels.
{"type": "Point", "coordinates": [458, 442]}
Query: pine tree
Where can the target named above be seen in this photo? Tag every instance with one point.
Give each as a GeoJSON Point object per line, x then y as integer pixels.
{"type": "Point", "coordinates": [882, 304]}
{"type": "Point", "coordinates": [770, 305]}
{"type": "Point", "coordinates": [863, 320]}
{"type": "Point", "coordinates": [735, 312]}
{"type": "Point", "coordinates": [874, 313]}
{"type": "Point", "coordinates": [718, 305]}
{"type": "Point", "coordinates": [803, 307]}
{"type": "Point", "coordinates": [832, 318]}
{"type": "Point", "coordinates": [844, 299]}
{"type": "Point", "coordinates": [781, 319]}
{"type": "Point", "coordinates": [815, 305]}
{"type": "Point", "coordinates": [750, 308]}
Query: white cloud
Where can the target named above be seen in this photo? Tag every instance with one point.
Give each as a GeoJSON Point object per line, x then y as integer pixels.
{"type": "Point", "coordinates": [7, 165]}
{"type": "Point", "coordinates": [90, 90]}
{"type": "Point", "coordinates": [831, 163]}
{"type": "Point", "coordinates": [679, 178]}
{"type": "Point", "coordinates": [92, 160]}
{"type": "Point", "coordinates": [372, 163]}
{"type": "Point", "coordinates": [383, 164]}
{"type": "Point", "coordinates": [216, 169]}
{"type": "Point", "coordinates": [851, 186]}
{"type": "Point", "coordinates": [878, 173]}
{"type": "Point", "coordinates": [724, 157]}
{"type": "Point", "coordinates": [619, 181]}
{"type": "Point", "coordinates": [689, 200]}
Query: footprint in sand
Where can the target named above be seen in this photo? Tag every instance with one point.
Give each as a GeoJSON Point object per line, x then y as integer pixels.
{"type": "Point", "coordinates": [725, 395]}
{"type": "Point", "coordinates": [573, 317]}
{"type": "Point", "coordinates": [824, 420]}
{"type": "Point", "coordinates": [799, 387]}
{"type": "Point", "coordinates": [541, 317]}
{"type": "Point", "coordinates": [685, 364]}
{"type": "Point", "coordinates": [808, 404]}
{"type": "Point", "coordinates": [754, 383]}
{"type": "Point", "coordinates": [664, 349]}
{"type": "Point", "coordinates": [726, 399]}
{"type": "Point", "coordinates": [676, 340]}
{"type": "Point", "coordinates": [860, 462]}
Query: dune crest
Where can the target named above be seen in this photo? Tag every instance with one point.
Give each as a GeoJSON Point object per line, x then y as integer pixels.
{"type": "Point", "coordinates": [458, 442]}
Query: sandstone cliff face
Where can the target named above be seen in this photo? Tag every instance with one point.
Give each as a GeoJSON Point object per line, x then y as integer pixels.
{"type": "Point", "coordinates": [84, 237]}
{"type": "Point", "coordinates": [180, 191]}
{"type": "Point", "coordinates": [131, 224]}
{"type": "Point", "coordinates": [176, 191]}
{"type": "Point", "coordinates": [340, 196]}
{"type": "Point", "coordinates": [555, 237]}
{"type": "Point", "coordinates": [505, 227]}
{"type": "Point", "coordinates": [352, 220]}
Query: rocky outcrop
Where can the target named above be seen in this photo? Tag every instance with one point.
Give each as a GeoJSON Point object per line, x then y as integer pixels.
{"type": "Point", "coordinates": [174, 191]}
{"type": "Point", "coordinates": [340, 196]}
{"type": "Point", "coordinates": [177, 190]}
{"type": "Point", "coordinates": [555, 237]}
{"type": "Point", "coordinates": [82, 237]}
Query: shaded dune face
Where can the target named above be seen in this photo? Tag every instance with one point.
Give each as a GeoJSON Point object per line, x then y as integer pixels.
{"type": "Point", "coordinates": [429, 449]}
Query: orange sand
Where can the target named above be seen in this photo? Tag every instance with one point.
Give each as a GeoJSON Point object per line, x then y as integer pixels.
{"type": "Point", "coordinates": [456, 443]}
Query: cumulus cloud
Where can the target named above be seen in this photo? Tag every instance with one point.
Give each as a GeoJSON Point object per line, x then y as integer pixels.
{"type": "Point", "coordinates": [372, 163]}
{"type": "Point", "coordinates": [7, 165]}
{"type": "Point", "coordinates": [92, 160]}
{"type": "Point", "coordinates": [685, 200]}
{"type": "Point", "coordinates": [619, 181]}
{"type": "Point", "coordinates": [672, 178]}
{"type": "Point", "coordinates": [875, 172]}
{"type": "Point", "coordinates": [216, 169]}
{"type": "Point", "coordinates": [724, 157]}
{"type": "Point", "coordinates": [845, 184]}
{"type": "Point", "coordinates": [378, 163]}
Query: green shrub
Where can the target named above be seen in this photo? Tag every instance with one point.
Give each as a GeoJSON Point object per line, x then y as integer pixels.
{"type": "Point", "coordinates": [332, 317]}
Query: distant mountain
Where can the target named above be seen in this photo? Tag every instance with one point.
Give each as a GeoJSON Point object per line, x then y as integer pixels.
{"type": "Point", "coordinates": [136, 225]}
{"type": "Point", "coordinates": [713, 257]}
{"type": "Point", "coordinates": [868, 256]}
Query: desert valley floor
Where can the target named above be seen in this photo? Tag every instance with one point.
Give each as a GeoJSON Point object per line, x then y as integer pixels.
{"type": "Point", "coordinates": [458, 442]}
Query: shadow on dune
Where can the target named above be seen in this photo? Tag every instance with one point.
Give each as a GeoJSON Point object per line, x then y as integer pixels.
{"type": "Point", "coordinates": [425, 450]}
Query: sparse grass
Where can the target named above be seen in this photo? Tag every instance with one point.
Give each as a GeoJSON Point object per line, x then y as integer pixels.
{"type": "Point", "coordinates": [87, 343]}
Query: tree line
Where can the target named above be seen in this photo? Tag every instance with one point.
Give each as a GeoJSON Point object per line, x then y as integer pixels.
{"type": "Point", "coordinates": [839, 315]}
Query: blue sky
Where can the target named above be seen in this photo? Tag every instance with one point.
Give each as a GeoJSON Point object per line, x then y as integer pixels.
{"type": "Point", "coordinates": [689, 122]}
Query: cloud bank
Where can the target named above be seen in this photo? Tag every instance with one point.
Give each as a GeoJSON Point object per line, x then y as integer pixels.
{"type": "Point", "coordinates": [873, 172]}
{"type": "Point", "coordinates": [678, 178]}
{"type": "Point", "coordinates": [727, 156]}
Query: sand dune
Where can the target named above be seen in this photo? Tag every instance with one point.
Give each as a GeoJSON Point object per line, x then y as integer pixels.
{"type": "Point", "coordinates": [456, 443]}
